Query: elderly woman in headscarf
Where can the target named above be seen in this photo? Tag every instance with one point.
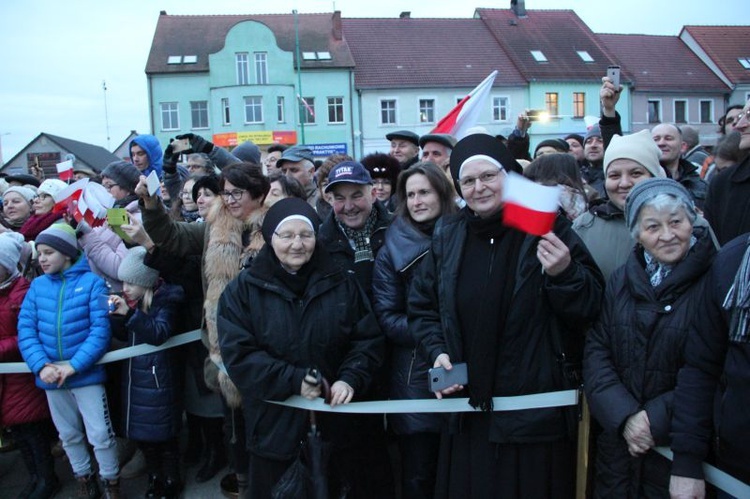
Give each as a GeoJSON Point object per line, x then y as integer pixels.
{"type": "Point", "coordinates": [634, 353]}
{"type": "Point", "coordinates": [292, 314]}
{"type": "Point", "coordinates": [511, 306]}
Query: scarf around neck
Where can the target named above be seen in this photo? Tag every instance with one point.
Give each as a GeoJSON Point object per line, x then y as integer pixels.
{"type": "Point", "coordinates": [359, 239]}
{"type": "Point", "coordinates": [737, 302]}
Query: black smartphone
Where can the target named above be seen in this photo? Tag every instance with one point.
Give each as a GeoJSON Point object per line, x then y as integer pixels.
{"type": "Point", "coordinates": [613, 73]}
{"type": "Point", "coordinates": [535, 114]}
{"type": "Point", "coordinates": [440, 378]}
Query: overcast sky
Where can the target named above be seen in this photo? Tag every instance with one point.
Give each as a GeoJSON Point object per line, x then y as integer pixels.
{"type": "Point", "coordinates": [54, 55]}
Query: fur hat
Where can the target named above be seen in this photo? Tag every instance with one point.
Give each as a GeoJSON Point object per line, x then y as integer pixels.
{"type": "Point", "coordinates": [11, 244]}
{"type": "Point", "coordinates": [648, 189]}
{"type": "Point", "coordinates": [133, 271]}
{"type": "Point", "coordinates": [124, 174]}
{"type": "Point", "coordinates": [382, 166]}
{"type": "Point", "coordinates": [639, 147]}
{"type": "Point", "coordinates": [60, 237]}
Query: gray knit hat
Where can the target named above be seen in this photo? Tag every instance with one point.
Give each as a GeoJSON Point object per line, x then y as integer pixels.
{"type": "Point", "coordinates": [133, 271]}
{"type": "Point", "coordinates": [124, 174]}
{"type": "Point", "coordinates": [60, 237]}
{"type": "Point", "coordinates": [647, 190]}
{"type": "Point", "coordinates": [11, 244]}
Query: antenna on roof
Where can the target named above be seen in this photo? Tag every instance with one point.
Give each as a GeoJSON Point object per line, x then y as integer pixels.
{"type": "Point", "coordinates": [106, 113]}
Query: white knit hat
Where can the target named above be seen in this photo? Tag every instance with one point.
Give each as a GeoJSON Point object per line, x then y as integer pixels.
{"type": "Point", "coordinates": [51, 186]}
{"type": "Point", "coordinates": [639, 147]}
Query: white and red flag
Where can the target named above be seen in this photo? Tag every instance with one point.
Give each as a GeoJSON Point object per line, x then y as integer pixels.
{"type": "Point", "coordinates": [466, 113]}
{"type": "Point", "coordinates": [65, 170]}
{"type": "Point", "coordinates": [528, 206]}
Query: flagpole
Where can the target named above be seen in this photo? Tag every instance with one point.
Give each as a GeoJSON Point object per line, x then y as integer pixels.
{"type": "Point", "coordinates": [299, 75]}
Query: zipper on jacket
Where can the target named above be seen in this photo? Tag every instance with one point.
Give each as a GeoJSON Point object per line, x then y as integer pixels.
{"type": "Point", "coordinates": [411, 365]}
{"type": "Point", "coordinates": [492, 255]}
{"type": "Point", "coordinates": [153, 372]}
{"type": "Point", "coordinates": [59, 317]}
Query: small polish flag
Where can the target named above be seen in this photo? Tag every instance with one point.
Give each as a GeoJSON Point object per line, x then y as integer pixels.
{"type": "Point", "coordinates": [466, 113]}
{"type": "Point", "coordinates": [528, 206]}
{"type": "Point", "coordinates": [66, 199]}
{"type": "Point", "coordinates": [65, 170]}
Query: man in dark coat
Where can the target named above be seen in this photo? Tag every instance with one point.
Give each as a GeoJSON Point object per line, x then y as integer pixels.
{"type": "Point", "coordinates": [669, 139]}
{"type": "Point", "coordinates": [404, 147]}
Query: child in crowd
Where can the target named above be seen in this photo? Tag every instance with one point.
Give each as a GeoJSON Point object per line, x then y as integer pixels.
{"type": "Point", "coordinates": [23, 408]}
{"type": "Point", "coordinates": [63, 330]}
{"type": "Point", "coordinates": [151, 383]}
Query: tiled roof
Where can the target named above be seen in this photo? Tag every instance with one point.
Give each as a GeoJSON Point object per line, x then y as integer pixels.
{"type": "Point", "coordinates": [96, 156]}
{"type": "Point", "coordinates": [724, 45]}
{"type": "Point", "coordinates": [662, 63]}
{"type": "Point", "coordinates": [410, 53]}
{"type": "Point", "coordinates": [203, 35]}
{"type": "Point", "coordinates": [558, 34]}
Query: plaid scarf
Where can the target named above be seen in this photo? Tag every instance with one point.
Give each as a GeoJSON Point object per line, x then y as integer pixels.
{"type": "Point", "coordinates": [359, 239]}
{"type": "Point", "coordinates": [737, 302]}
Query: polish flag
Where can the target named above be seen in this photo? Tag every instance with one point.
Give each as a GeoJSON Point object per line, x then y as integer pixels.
{"type": "Point", "coordinates": [466, 113]}
{"type": "Point", "coordinates": [66, 199]}
{"type": "Point", "coordinates": [528, 206]}
{"type": "Point", "coordinates": [65, 170]}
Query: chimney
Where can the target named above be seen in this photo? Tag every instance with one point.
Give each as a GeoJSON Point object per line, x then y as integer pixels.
{"type": "Point", "coordinates": [337, 30]}
{"type": "Point", "coordinates": [518, 7]}
{"type": "Point", "coordinates": [405, 15]}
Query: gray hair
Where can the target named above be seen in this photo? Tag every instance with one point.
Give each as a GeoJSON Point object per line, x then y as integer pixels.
{"type": "Point", "coordinates": [664, 201]}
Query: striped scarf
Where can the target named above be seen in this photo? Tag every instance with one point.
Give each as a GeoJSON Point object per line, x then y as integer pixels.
{"type": "Point", "coordinates": [737, 302]}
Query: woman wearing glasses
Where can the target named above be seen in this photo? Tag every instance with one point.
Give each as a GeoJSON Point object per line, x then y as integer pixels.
{"type": "Point", "coordinates": [292, 314]}
{"type": "Point", "coordinates": [509, 305]}
{"type": "Point", "coordinates": [228, 240]}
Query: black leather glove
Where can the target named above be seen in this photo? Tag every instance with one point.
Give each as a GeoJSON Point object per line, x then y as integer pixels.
{"type": "Point", "coordinates": [198, 143]}
{"type": "Point", "coordinates": [170, 159]}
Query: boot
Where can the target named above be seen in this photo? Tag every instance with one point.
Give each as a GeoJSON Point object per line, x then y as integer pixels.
{"type": "Point", "coordinates": [154, 488]}
{"type": "Point", "coordinates": [194, 448]}
{"type": "Point", "coordinates": [88, 487]}
{"type": "Point", "coordinates": [111, 488]}
{"type": "Point", "coordinates": [28, 460]}
{"type": "Point", "coordinates": [216, 458]}
{"type": "Point", "coordinates": [34, 446]}
{"type": "Point", "coordinates": [170, 458]}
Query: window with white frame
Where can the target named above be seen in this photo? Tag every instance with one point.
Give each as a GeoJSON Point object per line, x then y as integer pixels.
{"type": "Point", "coordinates": [254, 109]}
{"type": "Point", "coordinates": [261, 68]}
{"type": "Point", "coordinates": [500, 108]}
{"type": "Point", "coordinates": [551, 103]}
{"type": "Point", "coordinates": [388, 112]}
{"type": "Point", "coordinates": [307, 110]}
{"type": "Point", "coordinates": [199, 114]}
{"type": "Point", "coordinates": [680, 111]}
{"type": "Point", "coordinates": [280, 115]}
{"type": "Point", "coordinates": [579, 104]}
{"type": "Point", "coordinates": [335, 110]}
{"type": "Point", "coordinates": [707, 111]}
{"type": "Point", "coordinates": [225, 118]}
{"type": "Point", "coordinates": [243, 68]}
{"type": "Point", "coordinates": [427, 110]}
{"type": "Point", "coordinates": [170, 116]}
{"type": "Point", "coordinates": [654, 111]}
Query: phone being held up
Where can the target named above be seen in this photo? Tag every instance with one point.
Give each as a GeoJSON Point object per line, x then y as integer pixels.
{"type": "Point", "coordinates": [613, 73]}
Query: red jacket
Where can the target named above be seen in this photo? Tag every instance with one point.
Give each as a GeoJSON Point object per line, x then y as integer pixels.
{"type": "Point", "coordinates": [20, 400]}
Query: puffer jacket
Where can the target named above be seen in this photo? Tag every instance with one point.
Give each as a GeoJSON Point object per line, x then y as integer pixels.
{"type": "Point", "coordinates": [634, 353]}
{"type": "Point", "coordinates": [270, 337]}
{"type": "Point", "coordinates": [20, 400]}
{"type": "Point", "coordinates": [151, 383]}
{"type": "Point", "coordinates": [404, 249]}
{"type": "Point", "coordinates": [64, 317]}
{"type": "Point", "coordinates": [544, 309]}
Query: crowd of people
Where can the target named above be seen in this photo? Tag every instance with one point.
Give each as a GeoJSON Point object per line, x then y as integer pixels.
{"type": "Point", "coordinates": [349, 280]}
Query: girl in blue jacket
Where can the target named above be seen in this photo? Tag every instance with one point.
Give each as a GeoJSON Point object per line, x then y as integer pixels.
{"type": "Point", "coordinates": [63, 331]}
{"type": "Point", "coordinates": [148, 313]}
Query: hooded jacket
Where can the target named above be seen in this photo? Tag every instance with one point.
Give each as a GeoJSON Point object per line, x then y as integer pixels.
{"type": "Point", "coordinates": [270, 337]}
{"type": "Point", "coordinates": [151, 383]}
{"type": "Point", "coordinates": [634, 353]}
{"type": "Point", "coordinates": [64, 317]}
{"type": "Point", "coordinates": [544, 308]}
{"type": "Point", "coordinates": [151, 145]}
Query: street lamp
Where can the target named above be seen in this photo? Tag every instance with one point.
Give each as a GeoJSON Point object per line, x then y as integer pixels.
{"type": "Point", "coordinates": [1, 148]}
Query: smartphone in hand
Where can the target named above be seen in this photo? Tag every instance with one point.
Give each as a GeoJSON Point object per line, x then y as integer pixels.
{"type": "Point", "coordinates": [440, 378]}
{"type": "Point", "coordinates": [613, 73]}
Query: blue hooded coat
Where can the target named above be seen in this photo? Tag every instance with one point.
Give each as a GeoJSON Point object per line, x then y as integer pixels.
{"type": "Point", "coordinates": [151, 145]}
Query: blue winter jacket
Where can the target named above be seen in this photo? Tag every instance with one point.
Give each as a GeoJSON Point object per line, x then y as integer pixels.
{"type": "Point", "coordinates": [151, 145]}
{"type": "Point", "coordinates": [64, 317]}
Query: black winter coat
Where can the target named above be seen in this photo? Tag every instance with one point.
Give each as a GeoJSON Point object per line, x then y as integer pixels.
{"type": "Point", "coordinates": [152, 383]}
{"type": "Point", "coordinates": [543, 308]}
{"type": "Point", "coordinates": [727, 206]}
{"type": "Point", "coordinates": [404, 249]}
{"type": "Point", "coordinates": [713, 361]}
{"type": "Point", "coordinates": [632, 358]}
{"type": "Point", "coordinates": [269, 338]}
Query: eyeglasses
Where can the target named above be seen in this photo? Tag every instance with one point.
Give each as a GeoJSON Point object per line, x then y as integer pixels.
{"type": "Point", "coordinates": [235, 194]}
{"type": "Point", "coordinates": [485, 178]}
{"type": "Point", "coordinates": [109, 186]}
{"type": "Point", "coordinates": [745, 113]}
{"type": "Point", "coordinates": [185, 193]}
{"type": "Point", "coordinates": [288, 237]}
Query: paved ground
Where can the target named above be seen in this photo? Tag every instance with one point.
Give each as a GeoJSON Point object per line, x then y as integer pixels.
{"type": "Point", "coordinates": [13, 478]}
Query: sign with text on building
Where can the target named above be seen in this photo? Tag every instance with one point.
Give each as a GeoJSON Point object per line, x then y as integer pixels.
{"type": "Point", "coordinates": [323, 150]}
{"type": "Point", "coordinates": [264, 137]}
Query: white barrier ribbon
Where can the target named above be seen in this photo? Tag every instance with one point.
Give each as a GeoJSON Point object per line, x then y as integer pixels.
{"type": "Point", "coordinates": [715, 476]}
